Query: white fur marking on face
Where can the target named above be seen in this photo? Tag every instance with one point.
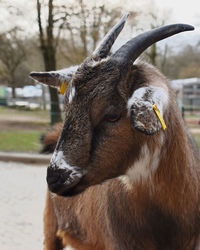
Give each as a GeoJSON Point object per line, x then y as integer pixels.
{"type": "Point", "coordinates": [58, 161]}
{"type": "Point", "coordinates": [72, 94]}
{"type": "Point", "coordinates": [159, 97]}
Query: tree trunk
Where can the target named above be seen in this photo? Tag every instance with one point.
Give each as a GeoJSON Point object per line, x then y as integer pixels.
{"type": "Point", "coordinates": [44, 106]}
{"type": "Point", "coordinates": [50, 64]}
{"type": "Point", "coordinates": [13, 93]}
{"type": "Point", "coordinates": [153, 54]}
{"type": "Point", "coordinates": [49, 55]}
{"type": "Point", "coordinates": [55, 108]}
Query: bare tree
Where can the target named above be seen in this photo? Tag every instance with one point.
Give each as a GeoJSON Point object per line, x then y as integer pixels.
{"type": "Point", "coordinates": [184, 63]}
{"type": "Point", "coordinates": [12, 56]}
{"type": "Point", "coordinates": [153, 53]}
{"type": "Point", "coordinates": [72, 30]}
{"type": "Point", "coordinates": [84, 26]}
{"type": "Point", "coordinates": [155, 17]}
{"type": "Point", "coordinates": [48, 46]}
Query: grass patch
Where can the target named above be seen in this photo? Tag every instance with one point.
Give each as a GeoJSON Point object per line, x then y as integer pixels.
{"type": "Point", "coordinates": [43, 115]}
{"type": "Point", "coordinates": [20, 141]}
{"type": "Point", "coordinates": [192, 116]}
{"type": "Point", "coordinates": [17, 112]}
{"type": "Point", "coordinates": [197, 139]}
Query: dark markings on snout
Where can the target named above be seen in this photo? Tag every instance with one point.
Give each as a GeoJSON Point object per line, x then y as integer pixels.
{"type": "Point", "coordinates": [60, 180]}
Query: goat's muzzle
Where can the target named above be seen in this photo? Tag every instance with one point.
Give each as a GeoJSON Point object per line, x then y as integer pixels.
{"type": "Point", "coordinates": [61, 181]}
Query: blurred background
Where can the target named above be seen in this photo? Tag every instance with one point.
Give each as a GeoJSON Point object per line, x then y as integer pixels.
{"type": "Point", "coordinates": [45, 35]}
{"type": "Point", "coordinates": [40, 35]}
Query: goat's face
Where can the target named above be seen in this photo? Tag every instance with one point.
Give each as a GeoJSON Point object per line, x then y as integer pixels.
{"type": "Point", "coordinates": [106, 103]}
{"type": "Point", "coordinates": [97, 139]}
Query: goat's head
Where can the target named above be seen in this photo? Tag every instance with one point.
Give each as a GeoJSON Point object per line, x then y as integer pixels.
{"type": "Point", "coordinates": [107, 106]}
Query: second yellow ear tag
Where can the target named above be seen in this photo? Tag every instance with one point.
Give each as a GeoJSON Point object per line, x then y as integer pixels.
{"type": "Point", "coordinates": [159, 116]}
{"type": "Point", "coordinates": [63, 88]}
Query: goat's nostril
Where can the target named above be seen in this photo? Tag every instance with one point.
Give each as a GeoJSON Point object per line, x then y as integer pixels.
{"type": "Point", "coordinates": [57, 175]}
{"type": "Point", "coordinates": [52, 175]}
{"type": "Point", "coordinates": [52, 179]}
{"type": "Point", "coordinates": [51, 172]}
{"type": "Point", "coordinates": [59, 180]}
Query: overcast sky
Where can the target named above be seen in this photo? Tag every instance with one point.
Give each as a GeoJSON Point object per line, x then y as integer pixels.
{"type": "Point", "coordinates": [171, 11]}
{"type": "Point", "coordinates": [182, 10]}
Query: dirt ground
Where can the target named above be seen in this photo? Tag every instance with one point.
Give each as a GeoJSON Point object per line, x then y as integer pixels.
{"type": "Point", "coordinates": [22, 197]}
{"type": "Point", "coordinates": [22, 122]}
{"type": "Point", "coordinates": [11, 125]}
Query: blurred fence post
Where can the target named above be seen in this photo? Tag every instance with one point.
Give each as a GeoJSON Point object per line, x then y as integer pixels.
{"type": "Point", "coordinates": [43, 97]}
{"type": "Point", "coordinates": [3, 96]}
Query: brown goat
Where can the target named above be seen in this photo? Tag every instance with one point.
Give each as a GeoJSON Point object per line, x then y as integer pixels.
{"type": "Point", "coordinates": [117, 179]}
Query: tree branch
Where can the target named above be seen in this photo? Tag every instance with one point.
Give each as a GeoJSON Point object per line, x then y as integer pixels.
{"type": "Point", "coordinates": [41, 32]}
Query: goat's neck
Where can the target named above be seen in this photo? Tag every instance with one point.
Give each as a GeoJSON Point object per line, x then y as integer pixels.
{"type": "Point", "coordinates": [164, 173]}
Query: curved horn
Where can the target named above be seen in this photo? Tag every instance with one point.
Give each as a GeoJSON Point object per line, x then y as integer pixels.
{"type": "Point", "coordinates": [104, 47]}
{"type": "Point", "coordinates": [134, 47]}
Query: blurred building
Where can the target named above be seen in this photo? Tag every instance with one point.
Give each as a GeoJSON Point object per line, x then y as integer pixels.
{"type": "Point", "coordinates": [188, 92]}
{"type": "Point", "coordinates": [29, 97]}
{"type": "Point", "coordinates": [3, 96]}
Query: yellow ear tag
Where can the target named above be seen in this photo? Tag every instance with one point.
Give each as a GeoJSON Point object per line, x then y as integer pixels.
{"type": "Point", "coordinates": [159, 116]}
{"type": "Point", "coordinates": [63, 88]}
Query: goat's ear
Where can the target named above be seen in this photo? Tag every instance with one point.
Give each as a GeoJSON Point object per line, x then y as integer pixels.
{"type": "Point", "coordinates": [54, 78]}
{"type": "Point", "coordinates": [141, 111]}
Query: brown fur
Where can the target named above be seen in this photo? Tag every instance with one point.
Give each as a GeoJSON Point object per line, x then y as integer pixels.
{"type": "Point", "coordinates": [160, 212]}
{"type": "Point", "coordinates": [52, 241]}
{"type": "Point", "coordinates": [49, 140]}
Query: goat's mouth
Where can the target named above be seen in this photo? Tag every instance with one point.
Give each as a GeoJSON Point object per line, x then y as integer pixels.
{"type": "Point", "coordinates": [75, 190]}
{"type": "Point", "coordinates": [63, 181]}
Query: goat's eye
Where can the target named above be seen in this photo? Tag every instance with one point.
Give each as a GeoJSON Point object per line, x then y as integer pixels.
{"type": "Point", "coordinates": [113, 117]}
